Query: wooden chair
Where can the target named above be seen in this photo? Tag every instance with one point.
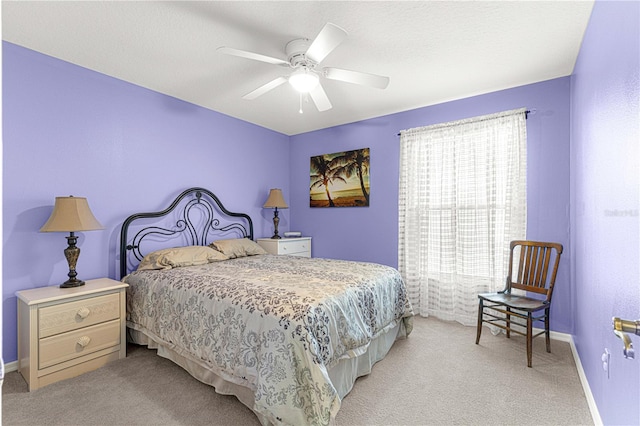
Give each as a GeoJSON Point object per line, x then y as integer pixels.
{"type": "Point", "coordinates": [536, 273]}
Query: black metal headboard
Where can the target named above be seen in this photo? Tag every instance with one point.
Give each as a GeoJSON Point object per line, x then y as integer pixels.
{"type": "Point", "coordinates": [202, 217]}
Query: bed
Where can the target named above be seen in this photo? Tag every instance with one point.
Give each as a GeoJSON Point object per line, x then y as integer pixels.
{"type": "Point", "coordinates": [288, 336]}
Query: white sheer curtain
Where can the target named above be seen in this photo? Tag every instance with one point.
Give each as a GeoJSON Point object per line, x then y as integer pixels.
{"type": "Point", "coordinates": [462, 199]}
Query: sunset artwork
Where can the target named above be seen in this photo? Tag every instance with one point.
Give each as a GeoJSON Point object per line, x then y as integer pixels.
{"type": "Point", "coordinates": [340, 179]}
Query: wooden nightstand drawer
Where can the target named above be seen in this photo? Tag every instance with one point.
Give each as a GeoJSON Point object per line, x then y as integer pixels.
{"type": "Point", "coordinates": [60, 348]}
{"type": "Point", "coordinates": [74, 315]}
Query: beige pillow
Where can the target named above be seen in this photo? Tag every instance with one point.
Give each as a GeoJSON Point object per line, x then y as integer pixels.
{"type": "Point", "coordinates": [180, 256]}
{"type": "Point", "coordinates": [238, 247]}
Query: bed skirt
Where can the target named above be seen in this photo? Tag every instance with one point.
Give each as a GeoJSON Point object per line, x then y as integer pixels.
{"type": "Point", "coordinates": [343, 374]}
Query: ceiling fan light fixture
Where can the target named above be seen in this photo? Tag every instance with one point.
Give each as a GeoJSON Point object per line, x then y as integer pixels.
{"type": "Point", "coordinates": [303, 80]}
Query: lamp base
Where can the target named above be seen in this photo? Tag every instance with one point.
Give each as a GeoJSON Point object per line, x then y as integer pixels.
{"type": "Point", "coordinates": [72, 283]}
{"type": "Point", "coordinates": [72, 253]}
{"type": "Point", "coordinates": [276, 221]}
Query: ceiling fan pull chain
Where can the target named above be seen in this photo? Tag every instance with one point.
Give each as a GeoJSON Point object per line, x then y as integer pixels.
{"type": "Point", "coordinates": [300, 110]}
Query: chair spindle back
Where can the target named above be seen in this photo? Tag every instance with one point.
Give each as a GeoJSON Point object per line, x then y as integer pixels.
{"type": "Point", "coordinates": [537, 266]}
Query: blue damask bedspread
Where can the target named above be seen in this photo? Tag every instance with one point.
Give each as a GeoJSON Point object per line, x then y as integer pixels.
{"type": "Point", "coordinates": [274, 324]}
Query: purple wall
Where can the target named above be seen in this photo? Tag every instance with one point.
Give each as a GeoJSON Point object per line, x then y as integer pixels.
{"type": "Point", "coordinates": [605, 139]}
{"type": "Point", "coordinates": [371, 233]}
{"type": "Point", "coordinates": [72, 131]}
{"type": "Point", "coordinates": [68, 130]}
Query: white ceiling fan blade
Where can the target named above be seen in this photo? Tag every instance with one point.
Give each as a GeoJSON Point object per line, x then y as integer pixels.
{"type": "Point", "coordinates": [265, 88]}
{"type": "Point", "coordinates": [251, 55]}
{"type": "Point", "coordinates": [329, 37]}
{"type": "Point", "coordinates": [357, 77]}
{"type": "Point", "coordinates": [320, 98]}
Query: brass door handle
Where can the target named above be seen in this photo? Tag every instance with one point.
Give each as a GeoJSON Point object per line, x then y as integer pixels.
{"type": "Point", "coordinates": [621, 328]}
{"type": "Point", "coordinates": [626, 326]}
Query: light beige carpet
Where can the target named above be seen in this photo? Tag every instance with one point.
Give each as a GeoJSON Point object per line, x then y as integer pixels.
{"type": "Point", "coordinates": [438, 376]}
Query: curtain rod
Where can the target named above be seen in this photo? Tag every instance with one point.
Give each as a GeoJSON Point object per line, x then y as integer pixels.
{"type": "Point", "coordinates": [526, 115]}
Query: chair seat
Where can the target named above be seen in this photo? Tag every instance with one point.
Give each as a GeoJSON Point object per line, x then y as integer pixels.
{"type": "Point", "coordinates": [524, 303]}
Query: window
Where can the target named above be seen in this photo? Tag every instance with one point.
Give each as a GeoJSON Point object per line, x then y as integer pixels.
{"type": "Point", "coordinates": [462, 199]}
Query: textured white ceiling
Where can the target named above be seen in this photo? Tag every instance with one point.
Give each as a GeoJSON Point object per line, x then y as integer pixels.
{"type": "Point", "coordinates": [433, 51]}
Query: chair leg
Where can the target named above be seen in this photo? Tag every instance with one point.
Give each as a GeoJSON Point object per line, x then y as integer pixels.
{"type": "Point", "coordinates": [529, 339]}
{"type": "Point", "coordinates": [546, 329]}
{"type": "Point", "coordinates": [479, 326]}
{"type": "Point", "coordinates": [508, 323]}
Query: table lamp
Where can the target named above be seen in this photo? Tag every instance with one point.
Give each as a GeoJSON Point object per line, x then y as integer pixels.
{"type": "Point", "coordinates": [71, 214]}
{"type": "Point", "coordinates": [275, 200]}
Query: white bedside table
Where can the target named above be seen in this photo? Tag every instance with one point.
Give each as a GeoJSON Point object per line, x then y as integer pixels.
{"type": "Point", "coordinates": [292, 246]}
{"type": "Point", "coordinates": [64, 332]}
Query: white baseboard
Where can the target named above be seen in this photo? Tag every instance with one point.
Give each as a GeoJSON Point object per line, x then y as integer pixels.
{"type": "Point", "coordinates": [11, 366]}
{"type": "Point", "coordinates": [595, 414]}
{"type": "Point", "coordinates": [593, 408]}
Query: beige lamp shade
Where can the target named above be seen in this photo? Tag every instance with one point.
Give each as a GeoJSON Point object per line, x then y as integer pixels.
{"type": "Point", "coordinates": [275, 200]}
{"type": "Point", "coordinates": [71, 214]}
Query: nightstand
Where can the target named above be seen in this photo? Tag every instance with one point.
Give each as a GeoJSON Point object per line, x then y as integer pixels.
{"type": "Point", "coordinates": [291, 246]}
{"type": "Point", "coordinates": [64, 332]}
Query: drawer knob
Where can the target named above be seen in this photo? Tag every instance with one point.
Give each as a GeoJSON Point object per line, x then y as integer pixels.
{"type": "Point", "coordinates": [83, 312]}
{"type": "Point", "coordinates": [84, 341]}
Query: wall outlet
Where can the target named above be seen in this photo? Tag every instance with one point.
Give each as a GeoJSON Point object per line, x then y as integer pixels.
{"type": "Point", "coordinates": [606, 358]}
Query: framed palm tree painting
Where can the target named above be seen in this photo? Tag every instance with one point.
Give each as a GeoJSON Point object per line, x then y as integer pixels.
{"type": "Point", "coordinates": [340, 179]}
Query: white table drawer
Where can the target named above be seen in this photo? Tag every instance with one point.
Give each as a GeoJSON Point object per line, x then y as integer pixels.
{"type": "Point", "coordinates": [74, 315]}
{"type": "Point", "coordinates": [288, 246]}
{"type": "Point", "coordinates": [293, 247]}
{"type": "Point", "coordinates": [60, 348]}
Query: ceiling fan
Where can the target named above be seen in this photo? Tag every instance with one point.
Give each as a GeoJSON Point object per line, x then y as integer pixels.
{"type": "Point", "coordinates": [304, 57]}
